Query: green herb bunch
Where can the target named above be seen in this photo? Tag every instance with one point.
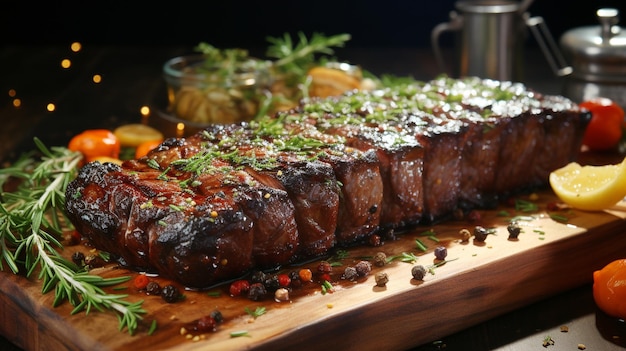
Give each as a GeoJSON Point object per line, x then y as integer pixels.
{"type": "Point", "coordinates": [288, 62]}
{"type": "Point", "coordinates": [32, 221]}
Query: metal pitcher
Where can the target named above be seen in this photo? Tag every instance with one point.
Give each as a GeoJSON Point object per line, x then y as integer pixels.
{"type": "Point", "coordinates": [490, 39]}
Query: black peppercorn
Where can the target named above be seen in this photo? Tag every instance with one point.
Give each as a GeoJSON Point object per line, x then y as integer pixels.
{"type": "Point", "coordinates": [441, 253]}
{"type": "Point", "coordinates": [258, 277]}
{"type": "Point", "coordinates": [170, 293]}
{"type": "Point", "coordinates": [271, 282]}
{"type": "Point", "coordinates": [257, 291]}
{"type": "Point", "coordinates": [217, 315]}
{"type": "Point", "coordinates": [514, 230]}
{"type": "Point", "coordinates": [418, 272]}
{"type": "Point", "coordinates": [480, 233]}
{"type": "Point", "coordinates": [350, 273]}
{"type": "Point", "coordinates": [363, 268]}
{"type": "Point", "coordinates": [78, 258]}
{"type": "Point", "coordinates": [153, 288]}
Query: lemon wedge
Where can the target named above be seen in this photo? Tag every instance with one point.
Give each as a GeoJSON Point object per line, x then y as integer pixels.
{"type": "Point", "coordinates": [132, 135]}
{"type": "Point", "coordinates": [590, 188]}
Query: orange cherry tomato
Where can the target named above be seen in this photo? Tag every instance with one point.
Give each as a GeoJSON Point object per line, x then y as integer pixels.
{"type": "Point", "coordinates": [145, 147]}
{"type": "Point", "coordinates": [605, 128]}
{"type": "Point", "coordinates": [609, 288]}
{"type": "Point", "coordinates": [94, 143]}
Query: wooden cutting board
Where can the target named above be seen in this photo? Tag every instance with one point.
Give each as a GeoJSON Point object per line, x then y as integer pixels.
{"type": "Point", "coordinates": [479, 282]}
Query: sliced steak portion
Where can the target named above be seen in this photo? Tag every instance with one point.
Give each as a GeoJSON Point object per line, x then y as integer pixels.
{"type": "Point", "coordinates": [400, 162]}
{"type": "Point", "coordinates": [198, 228]}
{"type": "Point", "coordinates": [311, 184]}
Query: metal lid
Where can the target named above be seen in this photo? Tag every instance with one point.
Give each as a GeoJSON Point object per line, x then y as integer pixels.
{"type": "Point", "coordinates": [488, 6]}
{"type": "Point", "coordinates": [598, 53]}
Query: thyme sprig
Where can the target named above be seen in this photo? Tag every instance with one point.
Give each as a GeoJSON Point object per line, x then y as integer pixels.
{"type": "Point", "coordinates": [31, 225]}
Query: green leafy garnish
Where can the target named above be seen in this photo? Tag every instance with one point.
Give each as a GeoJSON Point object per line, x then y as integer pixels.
{"type": "Point", "coordinates": [525, 206]}
{"type": "Point", "coordinates": [296, 58]}
{"type": "Point", "coordinates": [407, 257]}
{"type": "Point", "coordinates": [239, 333]}
{"type": "Point", "coordinates": [31, 226]}
{"type": "Point", "coordinates": [259, 311]}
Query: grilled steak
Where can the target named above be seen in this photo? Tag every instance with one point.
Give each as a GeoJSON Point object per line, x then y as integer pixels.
{"type": "Point", "coordinates": [329, 173]}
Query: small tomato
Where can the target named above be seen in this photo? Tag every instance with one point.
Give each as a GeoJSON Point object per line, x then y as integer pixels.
{"type": "Point", "coordinates": [605, 128]}
{"type": "Point", "coordinates": [609, 288]}
{"type": "Point", "coordinates": [94, 143]}
{"type": "Point", "coordinates": [145, 147]}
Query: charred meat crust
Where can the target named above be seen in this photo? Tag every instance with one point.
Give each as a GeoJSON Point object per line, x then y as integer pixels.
{"type": "Point", "coordinates": [330, 173]}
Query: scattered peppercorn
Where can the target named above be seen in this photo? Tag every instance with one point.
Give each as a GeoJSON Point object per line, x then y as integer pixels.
{"type": "Point", "coordinates": [418, 272]}
{"type": "Point", "coordinates": [441, 252]}
{"type": "Point", "coordinates": [258, 277]}
{"type": "Point", "coordinates": [305, 275]}
{"type": "Point", "coordinates": [141, 281]}
{"type": "Point", "coordinates": [514, 230]}
{"type": "Point", "coordinates": [281, 295]}
{"type": "Point", "coordinates": [350, 273]}
{"type": "Point", "coordinates": [239, 287]}
{"type": "Point", "coordinates": [324, 267]}
{"type": "Point", "coordinates": [94, 261]}
{"type": "Point", "coordinates": [257, 291]}
{"type": "Point", "coordinates": [206, 324]}
{"type": "Point", "coordinates": [465, 234]}
{"type": "Point", "coordinates": [480, 233]}
{"type": "Point", "coordinates": [380, 259]}
{"type": "Point", "coordinates": [153, 288]}
{"type": "Point", "coordinates": [217, 315]}
{"type": "Point", "coordinates": [271, 282]}
{"type": "Point", "coordinates": [284, 281]}
{"type": "Point", "coordinates": [363, 268]}
{"type": "Point", "coordinates": [170, 293]}
{"type": "Point", "coordinates": [381, 279]}
{"type": "Point", "coordinates": [78, 258]}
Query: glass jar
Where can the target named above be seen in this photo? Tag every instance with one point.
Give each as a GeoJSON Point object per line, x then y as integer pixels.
{"type": "Point", "coordinates": [208, 94]}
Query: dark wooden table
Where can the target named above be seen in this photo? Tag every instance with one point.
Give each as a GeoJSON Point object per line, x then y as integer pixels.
{"type": "Point", "coordinates": [131, 78]}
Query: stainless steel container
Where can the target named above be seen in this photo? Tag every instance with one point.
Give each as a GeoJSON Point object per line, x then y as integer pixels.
{"type": "Point", "coordinates": [490, 38]}
{"type": "Point", "coordinates": [598, 57]}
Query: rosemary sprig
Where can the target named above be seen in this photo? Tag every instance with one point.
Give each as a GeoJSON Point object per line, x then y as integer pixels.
{"type": "Point", "coordinates": [297, 58]}
{"type": "Point", "coordinates": [31, 224]}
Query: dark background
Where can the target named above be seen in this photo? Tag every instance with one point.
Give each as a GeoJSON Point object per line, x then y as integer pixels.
{"type": "Point", "coordinates": [391, 23]}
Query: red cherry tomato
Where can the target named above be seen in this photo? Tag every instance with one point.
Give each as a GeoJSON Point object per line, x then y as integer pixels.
{"type": "Point", "coordinates": [605, 128]}
{"type": "Point", "coordinates": [94, 143]}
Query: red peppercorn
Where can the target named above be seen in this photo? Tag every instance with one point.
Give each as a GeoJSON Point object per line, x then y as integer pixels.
{"type": "Point", "coordinates": [284, 280]}
{"type": "Point", "coordinates": [239, 287]}
{"type": "Point", "coordinates": [324, 267]}
{"type": "Point", "coordinates": [206, 324]}
{"type": "Point", "coordinates": [325, 276]}
{"type": "Point", "coordinates": [141, 281]}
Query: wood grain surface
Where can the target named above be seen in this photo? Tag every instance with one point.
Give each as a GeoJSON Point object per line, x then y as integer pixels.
{"type": "Point", "coordinates": [479, 281]}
